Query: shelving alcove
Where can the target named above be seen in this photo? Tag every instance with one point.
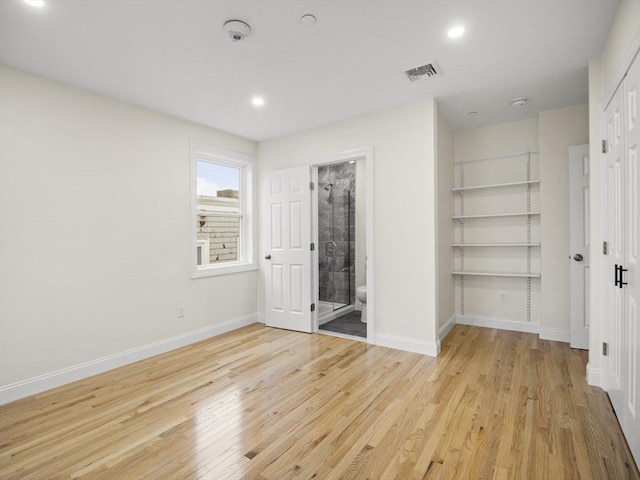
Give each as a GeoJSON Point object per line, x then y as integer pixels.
{"type": "Point", "coordinates": [495, 202]}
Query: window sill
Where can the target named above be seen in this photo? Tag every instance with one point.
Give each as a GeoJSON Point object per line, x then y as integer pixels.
{"type": "Point", "coordinates": [223, 270]}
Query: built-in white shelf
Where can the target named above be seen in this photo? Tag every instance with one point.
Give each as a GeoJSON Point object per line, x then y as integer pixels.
{"type": "Point", "coordinates": [496, 215]}
{"type": "Point", "coordinates": [495, 245]}
{"type": "Point", "coordinates": [499, 274]}
{"type": "Point", "coordinates": [495, 185]}
{"type": "Point", "coordinates": [516, 192]}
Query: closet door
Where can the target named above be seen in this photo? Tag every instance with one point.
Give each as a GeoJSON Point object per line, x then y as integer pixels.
{"type": "Point", "coordinates": [631, 277]}
{"type": "Point", "coordinates": [622, 264]}
{"type": "Point", "coordinates": [614, 234]}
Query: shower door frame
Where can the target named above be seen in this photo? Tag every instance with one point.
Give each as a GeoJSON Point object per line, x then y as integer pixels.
{"type": "Point", "coordinates": [323, 246]}
{"type": "Point", "coordinates": [365, 154]}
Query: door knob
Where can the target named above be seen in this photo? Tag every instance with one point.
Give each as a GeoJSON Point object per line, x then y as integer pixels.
{"type": "Point", "coordinates": [577, 257]}
{"type": "Point", "coordinates": [267, 257]}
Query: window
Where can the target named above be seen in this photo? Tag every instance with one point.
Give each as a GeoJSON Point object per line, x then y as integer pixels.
{"type": "Point", "coordinates": [222, 207]}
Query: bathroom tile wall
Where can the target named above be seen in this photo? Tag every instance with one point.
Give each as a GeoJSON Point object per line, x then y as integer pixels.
{"type": "Point", "coordinates": [336, 223]}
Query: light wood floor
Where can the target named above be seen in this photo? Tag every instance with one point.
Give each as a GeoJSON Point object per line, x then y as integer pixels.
{"type": "Point", "coordinates": [261, 403]}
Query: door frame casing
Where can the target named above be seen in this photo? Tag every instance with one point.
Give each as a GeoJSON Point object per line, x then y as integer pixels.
{"type": "Point", "coordinates": [597, 376]}
{"type": "Point", "coordinates": [366, 153]}
{"type": "Point", "coordinates": [632, 51]}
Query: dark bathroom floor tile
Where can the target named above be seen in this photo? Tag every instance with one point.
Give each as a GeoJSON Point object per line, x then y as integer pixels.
{"type": "Point", "coordinates": [348, 324]}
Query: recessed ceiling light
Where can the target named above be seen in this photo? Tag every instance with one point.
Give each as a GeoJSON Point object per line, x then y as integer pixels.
{"type": "Point", "coordinates": [35, 3]}
{"type": "Point", "coordinates": [308, 19]}
{"type": "Point", "coordinates": [456, 32]}
{"type": "Point", "coordinates": [257, 101]}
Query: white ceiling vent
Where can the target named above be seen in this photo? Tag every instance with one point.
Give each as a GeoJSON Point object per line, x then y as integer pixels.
{"type": "Point", "coordinates": [430, 69]}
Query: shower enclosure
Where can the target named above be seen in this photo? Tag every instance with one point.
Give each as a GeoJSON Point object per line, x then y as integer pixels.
{"type": "Point", "coordinates": [336, 237]}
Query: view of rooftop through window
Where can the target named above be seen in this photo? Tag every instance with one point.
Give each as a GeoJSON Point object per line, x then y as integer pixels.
{"type": "Point", "coordinates": [218, 211]}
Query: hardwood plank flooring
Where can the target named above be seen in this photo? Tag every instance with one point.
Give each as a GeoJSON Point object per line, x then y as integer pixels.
{"type": "Point", "coordinates": [261, 403]}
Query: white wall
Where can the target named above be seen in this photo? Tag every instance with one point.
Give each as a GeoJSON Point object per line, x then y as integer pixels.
{"type": "Point", "coordinates": [625, 25]}
{"type": "Point", "coordinates": [558, 130]}
{"type": "Point", "coordinates": [604, 74]}
{"type": "Point", "coordinates": [404, 151]}
{"type": "Point", "coordinates": [444, 211]}
{"type": "Point", "coordinates": [91, 267]}
{"type": "Point", "coordinates": [502, 139]}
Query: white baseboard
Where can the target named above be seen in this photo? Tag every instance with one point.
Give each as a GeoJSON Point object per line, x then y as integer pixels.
{"type": "Point", "coordinates": [499, 323]}
{"type": "Point", "coordinates": [555, 334]}
{"type": "Point", "coordinates": [431, 349]}
{"type": "Point", "coordinates": [32, 386]}
{"type": "Point", "coordinates": [446, 328]}
{"type": "Point", "coordinates": [593, 376]}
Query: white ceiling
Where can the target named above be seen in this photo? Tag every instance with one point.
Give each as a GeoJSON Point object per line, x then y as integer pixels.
{"type": "Point", "coordinates": [174, 57]}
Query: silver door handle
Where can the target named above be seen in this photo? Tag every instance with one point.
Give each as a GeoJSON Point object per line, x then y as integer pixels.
{"type": "Point", "coordinates": [577, 257]}
{"type": "Point", "coordinates": [267, 257]}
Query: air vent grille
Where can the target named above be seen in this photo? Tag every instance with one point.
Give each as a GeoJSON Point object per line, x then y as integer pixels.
{"type": "Point", "coordinates": [428, 70]}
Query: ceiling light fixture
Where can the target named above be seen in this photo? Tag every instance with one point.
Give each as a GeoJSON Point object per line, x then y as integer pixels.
{"type": "Point", "coordinates": [35, 3]}
{"type": "Point", "coordinates": [456, 31]}
{"type": "Point", "coordinates": [257, 101]}
{"type": "Point", "coordinates": [308, 19]}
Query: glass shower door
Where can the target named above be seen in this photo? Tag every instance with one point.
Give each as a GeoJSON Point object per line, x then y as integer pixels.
{"type": "Point", "coordinates": [337, 249]}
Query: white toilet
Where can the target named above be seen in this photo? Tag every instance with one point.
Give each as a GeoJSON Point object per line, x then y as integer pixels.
{"type": "Point", "coordinates": [361, 294]}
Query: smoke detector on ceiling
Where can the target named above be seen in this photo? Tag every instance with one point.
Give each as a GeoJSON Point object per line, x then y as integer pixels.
{"type": "Point", "coordinates": [519, 102]}
{"type": "Point", "coordinates": [430, 69]}
{"type": "Point", "coordinates": [237, 30]}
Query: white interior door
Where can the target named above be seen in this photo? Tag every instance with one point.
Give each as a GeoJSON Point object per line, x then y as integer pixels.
{"type": "Point", "coordinates": [622, 265]}
{"type": "Point", "coordinates": [579, 244]}
{"type": "Point", "coordinates": [630, 279]}
{"type": "Point", "coordinates": [614, 237]}
{"type": "Point", "coordinates": [288, 253]}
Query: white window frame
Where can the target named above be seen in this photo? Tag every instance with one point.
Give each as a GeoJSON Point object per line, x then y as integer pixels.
{"type": "Point", "coordinates": [247, 247]}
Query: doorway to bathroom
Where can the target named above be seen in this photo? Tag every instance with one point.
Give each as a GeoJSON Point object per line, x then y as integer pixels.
{"type": "Point", "coordinates": [291, 267]}
{"type": "Point", "coordinates": [339, 212]}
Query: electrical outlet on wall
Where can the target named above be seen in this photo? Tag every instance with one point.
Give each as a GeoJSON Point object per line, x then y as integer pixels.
{"type": "Point", "coordinates": [503, 297]}
{"type": "Point", "coordinates": [180, 311]}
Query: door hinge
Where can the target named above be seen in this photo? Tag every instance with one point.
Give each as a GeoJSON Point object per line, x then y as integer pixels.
{"type": "Point", "coordinates": [313, 307]}
{"type": "Point", "coordinates": [605, 248]}
{"type": "Point", "coordinates": [605, 146]}
{"type": "Point", "coordinates": [311, 186]}
{"type": "Point", "coordinates": [605, 348]}
{"type": "Point", "coordinates": [313, 246]}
